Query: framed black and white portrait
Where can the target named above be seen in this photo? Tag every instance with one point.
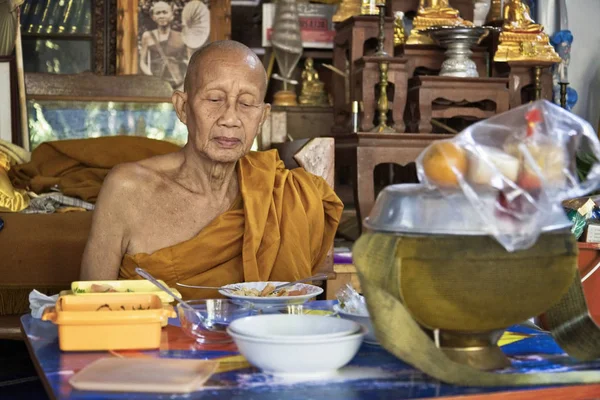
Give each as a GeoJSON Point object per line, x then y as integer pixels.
{"type": "Point", "coordinates": [158, 37]}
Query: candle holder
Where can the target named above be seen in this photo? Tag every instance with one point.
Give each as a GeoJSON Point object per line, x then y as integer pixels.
{"type": "Point", "coordinates": [382, 102]}
{"type": "Point", "coordinates": [538, 82]}
{"type": "Point", "coordinates": [563, 94]}
{"type": "Point", "coordinates": [381, 38]}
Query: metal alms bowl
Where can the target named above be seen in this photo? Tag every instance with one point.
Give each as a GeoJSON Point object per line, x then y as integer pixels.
{"type": "Point", "coordinates": [453, 277]}
{"type": "Point", "coordinates": [417, 209]}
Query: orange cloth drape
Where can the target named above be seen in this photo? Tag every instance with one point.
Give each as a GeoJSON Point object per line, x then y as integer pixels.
{"type": "Point", "coordinates": [281, 230]}
{"type": "Point", "coordinates": [78, 167]}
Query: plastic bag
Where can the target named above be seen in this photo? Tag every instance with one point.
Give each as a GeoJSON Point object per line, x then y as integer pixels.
{"type": "Point", "coordinates": [525, 159]}
{"type": "Point", "coordinates": [351, 301]}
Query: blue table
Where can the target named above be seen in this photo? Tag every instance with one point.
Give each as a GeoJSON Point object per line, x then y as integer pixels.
{"type": "Point", "coordinates": [372, 374]}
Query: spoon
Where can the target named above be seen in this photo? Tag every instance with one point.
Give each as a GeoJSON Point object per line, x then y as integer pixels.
{"type": "Point", "coordinates": [144, 274]}
{"type": "Point", "coordinates": [309, 279]}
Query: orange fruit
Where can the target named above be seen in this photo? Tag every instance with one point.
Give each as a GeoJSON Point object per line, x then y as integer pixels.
{"type": "Point", "coordinates": [443, 161]}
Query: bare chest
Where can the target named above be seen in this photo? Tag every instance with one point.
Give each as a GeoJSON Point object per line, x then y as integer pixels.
{"type": "Point", "coordinates": [166, 220]}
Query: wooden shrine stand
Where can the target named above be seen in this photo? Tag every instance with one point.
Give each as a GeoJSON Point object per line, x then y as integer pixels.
{"type": "Point", "coordinates": [363, 151]}
{"type": "Point", "coordinates": [416, 95]}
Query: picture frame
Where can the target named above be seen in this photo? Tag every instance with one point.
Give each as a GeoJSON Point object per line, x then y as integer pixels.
{"type": "Point", "coordinates": [90, 105]}
{"type": "Point", "coordinates": [9, 95]}
{"type": "Point", "coordinates": [92, 30]}
{"type": "Point", "coordinates": [151, 39]}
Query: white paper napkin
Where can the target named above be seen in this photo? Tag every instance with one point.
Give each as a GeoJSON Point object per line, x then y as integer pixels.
{"type": "Point", "coordinates": [38, 302]}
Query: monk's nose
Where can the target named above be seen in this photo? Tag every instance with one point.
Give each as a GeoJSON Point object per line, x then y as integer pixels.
{"type": "Point", "coordinates": [229, 118]}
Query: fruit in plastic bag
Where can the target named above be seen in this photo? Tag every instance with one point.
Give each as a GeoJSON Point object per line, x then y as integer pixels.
{"type": "Point", "coordinates": [444, 162]}
{"type": "Point", "coordinates": [484, 165]}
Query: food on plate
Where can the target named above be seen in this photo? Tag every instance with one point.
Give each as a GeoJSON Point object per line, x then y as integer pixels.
{"type": "Point", "coordinates": [95, 288]}
{"type": "Point", "coordinates": [268, 291]}
{"type": "Point", "coordinates": [103, 288]}
{"type": "Point", "coordinates": [443, 162]}
{"type": "Point", "coordinates": [488, 162]}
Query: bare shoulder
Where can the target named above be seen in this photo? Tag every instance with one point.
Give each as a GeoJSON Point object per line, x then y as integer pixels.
{"type": "Point", "coordinates": [146, 37]}
{"type": "Point", "coordinates": [126, 178]}
{"type": "Point", "coordinates": [135, 181]}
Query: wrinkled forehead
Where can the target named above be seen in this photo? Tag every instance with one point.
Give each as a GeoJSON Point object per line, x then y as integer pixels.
{"type": "Point", "coordinates": [220, 69]}
{"type": "Point", "coordinates": [161, 6]}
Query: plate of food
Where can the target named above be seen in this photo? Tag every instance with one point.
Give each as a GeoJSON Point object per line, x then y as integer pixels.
{"type": "Point", "coordinates": [263, 294]}
{"type": "Point", "coordinates": [94, 288]}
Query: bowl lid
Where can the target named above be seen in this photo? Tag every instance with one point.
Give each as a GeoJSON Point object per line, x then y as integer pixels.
{"type": "Point", "coordinates": [417, 209]}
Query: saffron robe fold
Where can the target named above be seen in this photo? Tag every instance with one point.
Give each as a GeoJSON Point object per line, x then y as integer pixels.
{"type": "Point", "coordinates": [280, 230]}
{"type": "Point", "coordinates": [78, 167]}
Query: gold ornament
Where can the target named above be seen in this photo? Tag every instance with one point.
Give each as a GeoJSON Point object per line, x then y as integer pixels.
{"type": "Point", "coordinates": [285, 98]}
{"type": "Point", "coordinates": [495, 13]}
{"type": "Point", "coordinates": [521, 38]}
{"type": "Point", "coordinates": [399, 35]}
{"type": "Point", "coordinates": [434, 13]}
{"type": "Point", "coordinates": [313, 92]}
{"type": "Point", "coordinates": [287, 46]}
{"type": "Point", "coordinates": [347, 9]}
{"type": "Point", "coordinates": [369, 7]}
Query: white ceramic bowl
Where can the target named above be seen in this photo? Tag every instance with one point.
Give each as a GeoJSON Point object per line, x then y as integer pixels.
{"type": "Point", "coordinates": [294, 327]}
{"type": "Point", "coordinates": [266, 302]}
{"type": "Point", "coordinates": [362, 319]}
{"type": "Point", "coordinates": [315, 358]}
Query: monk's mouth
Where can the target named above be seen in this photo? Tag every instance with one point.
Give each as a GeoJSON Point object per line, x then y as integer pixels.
{"type": "Point", "coordinates": [227, 143]}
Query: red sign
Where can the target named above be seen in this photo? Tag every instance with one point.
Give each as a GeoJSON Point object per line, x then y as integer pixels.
{"type": "Point", "coordinates": [311, 35]}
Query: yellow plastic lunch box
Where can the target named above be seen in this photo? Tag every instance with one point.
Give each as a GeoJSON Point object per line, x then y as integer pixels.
{"type": "Point", "coordinates": [110, 322]}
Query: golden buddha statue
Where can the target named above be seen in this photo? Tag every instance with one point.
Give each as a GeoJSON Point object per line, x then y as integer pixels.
{"type": "Point", "coordinates": [517, 19]}
{"type": "Point", "coordinates": [521, 38]}
{"type": "Point", "coordinates": [437, 9]}
{"type": "Point", "coordinates": [434, 13]}
{"type": "Point", "coordinates": [399, 38]}
{"type": "Point", "coordinates": [313, 92]}
{"type": "Point", "coordinates": [347, 9]}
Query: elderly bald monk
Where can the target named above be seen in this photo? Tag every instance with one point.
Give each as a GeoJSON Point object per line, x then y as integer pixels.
{"type": "Point", "coordinates": [213, 213]}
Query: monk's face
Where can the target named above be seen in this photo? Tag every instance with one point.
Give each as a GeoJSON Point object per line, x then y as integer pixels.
{"type": "Point", "coordinates": [224, 109]}
{"type": "Point", "coordinates": [162, 14]}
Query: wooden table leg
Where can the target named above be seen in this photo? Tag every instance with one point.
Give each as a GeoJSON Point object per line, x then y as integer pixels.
{"type": "Point", "coordinates": [424, 100]}
{"type": "Point", "coordinates": [364, 183]}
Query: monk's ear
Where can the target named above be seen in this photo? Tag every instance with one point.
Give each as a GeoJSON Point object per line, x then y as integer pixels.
{"type": "Point", "coordinates": [266, 112]}
{"type": "Point", "coordinates": [179, 100]}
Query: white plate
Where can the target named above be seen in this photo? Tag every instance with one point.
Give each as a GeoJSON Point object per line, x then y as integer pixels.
{"type": "Point", "coordinates": [294, 327]}
{"type": "Point", "coordinates": [298, 358]}
{"type": "Point", "coordinates": [260, 302]}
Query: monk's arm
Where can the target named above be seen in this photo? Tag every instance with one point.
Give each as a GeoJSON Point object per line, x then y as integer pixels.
{"type": "Point", "coordinates": [331, 214]}
{"type": "Point", "coordinates": [107, 240]}
{"type": "Point", "coordinates": [144, 53]}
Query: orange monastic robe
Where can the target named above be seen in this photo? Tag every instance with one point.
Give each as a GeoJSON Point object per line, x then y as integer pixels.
{"type": "Point", "coordinates": [280, 229]}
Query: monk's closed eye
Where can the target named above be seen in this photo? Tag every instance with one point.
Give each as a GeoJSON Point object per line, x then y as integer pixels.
{"type": "Point", "coordinates": [248, 105]}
